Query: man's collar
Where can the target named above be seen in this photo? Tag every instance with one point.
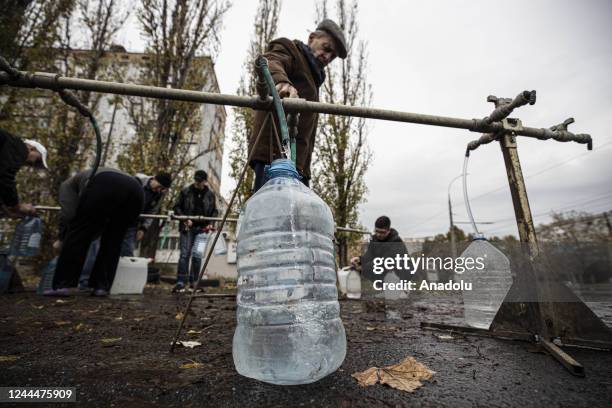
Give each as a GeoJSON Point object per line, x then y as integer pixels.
{"type": "Point", "coordinates": [318, 73]}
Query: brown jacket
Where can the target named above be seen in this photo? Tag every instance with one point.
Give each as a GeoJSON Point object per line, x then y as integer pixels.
{"type": "Point", "coordinates": [288, 64]}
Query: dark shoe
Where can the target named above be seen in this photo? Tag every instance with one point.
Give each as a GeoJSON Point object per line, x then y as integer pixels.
{"type": "Point", "coordinates": [179, 288]}
{"type": "Point", "coordinates": [100, 293]}
{"type": "Point", "coordinates": [61, 292]}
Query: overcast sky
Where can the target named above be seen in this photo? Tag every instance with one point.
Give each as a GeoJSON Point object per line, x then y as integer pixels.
{"type": "Point", "coordinates": [444, 58]}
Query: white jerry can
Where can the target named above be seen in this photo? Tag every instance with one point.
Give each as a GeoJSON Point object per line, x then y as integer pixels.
{"type": "Point", "coordinates": [353, 284]}
{"type": "Point", "coordinates": [131, 276]}
{"type": "Point", "coordinates": [342, 275]}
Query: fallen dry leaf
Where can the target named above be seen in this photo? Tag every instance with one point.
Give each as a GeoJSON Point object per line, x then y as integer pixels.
{"type": "Point", "coordinates": [179, 316]}
{"type": "Point", "coordinates": [189, 344]}
{"type": "Point", "coordinates": [405, 376]}
{"type": "Point", "coordinates": [60, 301]}
{"type": "Point", "coordinates": [370, 328]}
{"type": "Point", "coordinates": [138, 319]}
{"type": "Point", "coordinates": [444, 337]}
{"type": "Point", "coordinates": [194, 332]}
{"type": "Point", "coordinates": [62, 322]}
{"type": "Point", "coordinates": [9, 358]}
{"type": "Point", "coordinates": [192, 365]}
{"type": "Point", "coordinates": [78, 327]}
{"type": "Point", "coordinates": [37, 307]}
{"type": "Point", "coordinates": [111, 340]}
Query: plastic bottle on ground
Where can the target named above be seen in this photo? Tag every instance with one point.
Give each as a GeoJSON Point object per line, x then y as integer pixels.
{"type": "Point", "coordinates": [289, 329]}
{"type": "Point", "coordinates": [489, 284]}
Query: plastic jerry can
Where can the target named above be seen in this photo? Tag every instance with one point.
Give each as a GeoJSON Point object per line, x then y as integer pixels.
{"type": "Point", "coordinates": [131, 276]}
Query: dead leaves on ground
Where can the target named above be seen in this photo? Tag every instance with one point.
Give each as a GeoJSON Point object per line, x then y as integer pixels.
{"type": "Point", "coordinates": [405, 376]}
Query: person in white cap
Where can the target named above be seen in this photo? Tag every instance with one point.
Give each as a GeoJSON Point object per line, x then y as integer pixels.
{"type": "Point", "coordinates": [15, 153]}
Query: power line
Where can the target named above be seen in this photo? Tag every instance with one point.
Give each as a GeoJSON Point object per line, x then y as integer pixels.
{"type": "Point", "coordinates": [462, 204]}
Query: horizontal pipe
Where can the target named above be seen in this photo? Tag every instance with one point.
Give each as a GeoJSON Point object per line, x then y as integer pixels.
{"type": "Point", "coordinates": [194, 218]}
{"type": "Point", "coordinates": [51, 81]}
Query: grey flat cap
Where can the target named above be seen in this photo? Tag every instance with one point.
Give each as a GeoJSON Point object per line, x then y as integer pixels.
{"type": "Point", "coordinates": [335, 32]}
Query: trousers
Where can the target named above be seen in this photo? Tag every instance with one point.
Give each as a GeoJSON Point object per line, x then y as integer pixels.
{"type": "Point", "coordinates": [108, 206]}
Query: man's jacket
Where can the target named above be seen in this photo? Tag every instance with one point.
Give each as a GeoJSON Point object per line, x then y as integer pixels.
{"type": "Point", "coordinates": [152, 200]}
{"type": "Point", "coordinates": [70, 193]}
{"type": "Point", "coordinates": [288, 64]}
{"type": "Point", "coordinates": [389, 247]}
{"type": "Point", "coordinates": [192, 201]}
{"type": "Point", "coordinates": [13, 155]}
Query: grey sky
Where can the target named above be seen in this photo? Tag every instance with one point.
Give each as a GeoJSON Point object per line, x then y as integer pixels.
{"type": "Point", "coordinates": [444, 58]}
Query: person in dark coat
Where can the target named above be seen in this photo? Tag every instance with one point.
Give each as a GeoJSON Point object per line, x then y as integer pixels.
{"type": "Point", "coordinates": [15, 153]}
{"type": "Point", "coordinates": [298, 71]}
{"type": "Point", "coordinates": [198, 200]}
{"type": "Point", "coordinates": [385, 243]}
{"type": "Point", "coordinates": [106, 206]}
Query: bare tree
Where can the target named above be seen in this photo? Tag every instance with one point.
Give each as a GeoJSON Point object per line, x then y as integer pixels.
{"type": "Point", "coordinates": [41, 114]}
{"type": "Point", "coordinates": [266, 23]}
{"type": "Point", "coordinates": [341, 154]}
{"type": "Point", "coordinates": [177, 34]}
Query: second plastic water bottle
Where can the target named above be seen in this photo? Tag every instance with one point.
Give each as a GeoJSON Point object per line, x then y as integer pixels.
{"type": "Point", "coordinates": [489, 284]}
{"type": "Point", "coordinates": [289, 329]}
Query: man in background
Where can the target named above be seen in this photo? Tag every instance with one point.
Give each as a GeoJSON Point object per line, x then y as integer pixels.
{"type": "Point", "coordinates": [196, 199]}
{"type": "Point", "coordinates": [384, 243]}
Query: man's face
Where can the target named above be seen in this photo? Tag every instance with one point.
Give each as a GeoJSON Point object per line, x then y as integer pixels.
{"type": "Point", "coordinates": [323, 48]}
{"type": "Point", "coordinates": [200, 184]}
{"type": "Point", "coordinates": [157, 187]}
{"type": "Point", "coordinates": [381, 233]}
{"type": "Point", "coordinates": [34, 157]}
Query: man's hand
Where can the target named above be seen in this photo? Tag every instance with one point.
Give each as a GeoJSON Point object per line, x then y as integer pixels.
{"type": "Point", "coordinates": [355, 262]}
{"type": "Point", "coordinates": [20, 210]}
{"type": "Point", "coordinates": [57, 244]}
{"type": "Point", "coordinates": [139, 235]}
{"type": "Point", "coordinates": [188, 223]}
{"type": "Point", "coordinates": [27, 209]}
{"type": "Point", "coordinates": [284, 89]}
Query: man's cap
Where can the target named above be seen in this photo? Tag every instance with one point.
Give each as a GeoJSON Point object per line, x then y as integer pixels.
{"type": "Point", "coordinates": [40, 149]}
{"type": "Point", "coordinates": [335, 32]}
{"type": "Point", "coordinates": [382, 222]}
{"type": "Point", "coordinates": [165, 179]}
{"type": "Point", "coordinates": [200, 175]}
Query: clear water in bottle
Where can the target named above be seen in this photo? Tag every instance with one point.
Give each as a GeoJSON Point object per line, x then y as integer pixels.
{"type": "Point", "coordinates": [288, 322]}
{"type": "Point", "coordinates": [26, 241]}
{"type": "Point", "coordinates": [489, 285]}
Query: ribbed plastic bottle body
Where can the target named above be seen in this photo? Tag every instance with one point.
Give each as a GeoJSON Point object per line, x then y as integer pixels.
{"type": "Point", "coordinates": [489, 285]}
{"type": "Point", "coordinates": [288, 319]}
{"type": "Point", "coordinates": [26, 241]}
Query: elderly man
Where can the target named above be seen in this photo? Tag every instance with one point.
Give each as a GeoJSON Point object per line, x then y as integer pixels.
{"type": "Point", "coordinates": [298, 71]}
{"type": "Point", "coordinates": [15, 153]}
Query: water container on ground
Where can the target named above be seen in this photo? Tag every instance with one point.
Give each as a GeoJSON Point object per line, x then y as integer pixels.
{"type": "Point", "coordinates": [131, 276]}
{"type": "Point", "coordinates": [489, 285]}
{"type": "Point", "coordinates": [288, 322]}
{"type": "Point", "coordinates": [342, 274]}
{"type": "Point", "coordinates": [353, 284]}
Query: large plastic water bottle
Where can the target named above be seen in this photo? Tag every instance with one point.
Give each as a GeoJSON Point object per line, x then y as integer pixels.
{"type": "Point", "coordinates": [26, 241]}
{"type": "Point", "coordinates": [288, 324]}
{"type": "Point", "coordinates": [489, 285]}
